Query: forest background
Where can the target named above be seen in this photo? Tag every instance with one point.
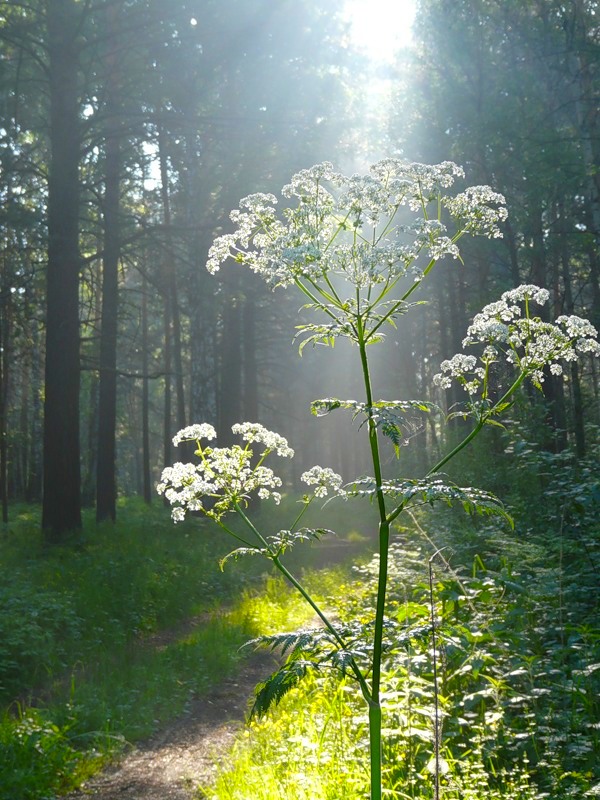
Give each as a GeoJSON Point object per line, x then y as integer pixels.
{"type": "Point", "coordinates": [129, 130]}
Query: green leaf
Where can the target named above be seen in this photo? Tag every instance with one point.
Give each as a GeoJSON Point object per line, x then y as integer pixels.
{"type": "Point", "coordinates": [274, 689]}
{"type": "Point", "coordinates": [238, 553]}
{"type": "Point", "coordinates": [284, 540]}
{"type": "Point", "coordinates": [431, 490]}
{"type": "Point", "coordinates": [320, 408]}
{"type": "Point", "coordinates": [303, 640]}
{"type": "Point", "coordinates": [395, 418]}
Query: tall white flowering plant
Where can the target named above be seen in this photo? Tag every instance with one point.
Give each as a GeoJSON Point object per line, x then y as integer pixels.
{"type": "Point", "coordinates": [358, 248]}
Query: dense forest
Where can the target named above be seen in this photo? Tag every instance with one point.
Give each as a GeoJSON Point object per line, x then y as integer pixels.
{"type": "Point", "coordinates": [129, 130]}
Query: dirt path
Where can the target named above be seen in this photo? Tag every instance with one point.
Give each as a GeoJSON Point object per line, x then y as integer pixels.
{"type": "Point", "coordinates": [171, 764]}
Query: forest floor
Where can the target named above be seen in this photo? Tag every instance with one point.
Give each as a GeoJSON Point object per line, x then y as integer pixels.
{"type": "Point", "coordinates": [176, 760]}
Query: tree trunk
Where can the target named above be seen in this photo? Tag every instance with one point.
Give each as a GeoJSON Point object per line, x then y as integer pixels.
{"type": "Point", "coordinates": [61, 511]}
{"type": "Point", "coordinates": [4, 362]}
{"type": "Point", "coordinates": [106, 484]}
{"type": "Point", "coordinates": [578, 413]}
{"type": "Point", "coordinates": [170, 286]}
{"type": "Point", "coordinates": [230, 377]}
{"type": "Point", "coordinates": [146, 485]}
{"type": "Point", "coordinates": [249, 355]}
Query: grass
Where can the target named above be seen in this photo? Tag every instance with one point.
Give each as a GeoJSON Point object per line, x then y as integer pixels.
{"type": "Point", "coordinates": [96, 648]}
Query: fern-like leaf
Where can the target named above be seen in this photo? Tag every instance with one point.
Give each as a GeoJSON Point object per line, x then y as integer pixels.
{"type": "Point", "coordinates": [270, 692]}
{"type": "Point", "coordinates": [431, 490]}
{"type": "Point", "coordinates": [289, 643]}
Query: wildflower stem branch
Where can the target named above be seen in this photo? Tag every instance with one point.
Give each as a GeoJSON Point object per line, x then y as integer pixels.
{"type": "Point", "coordinates": [275, 558]}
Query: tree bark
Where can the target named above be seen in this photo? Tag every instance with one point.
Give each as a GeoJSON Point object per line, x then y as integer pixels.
{"type": "Point", "coordinates": [4, 375]}
{"type": "Point", "coordinates": [106, 484]}
{"type": "Point", "coordinates": [61, 511]}
{"type": "Point", "coordinates": [229, 404]}
{"type": "Point", "coordinates": [146, 485]}
{"type": "Point", "coordinates": [170, 286]}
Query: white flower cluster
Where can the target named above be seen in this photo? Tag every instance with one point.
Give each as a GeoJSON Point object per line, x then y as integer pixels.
{"type": "Point", "coordinates": [253, 432]}
{"type": "Point", "coordinates": [226, 475]}
{"type": "Point", "coordinates": [464, 369]}
{"type": "Point", "coordinates": [507, 330]}
{"type": "Point", "coordinates": [480, 208]}
{"type": "Point", "coordinates": [184, 487]}
{"type": "Point", "coordinates": [193, 433]}
{"type": "Point", "coordinates": [324, 479]}
{"type": "Point", "coordinates": [346, 224]}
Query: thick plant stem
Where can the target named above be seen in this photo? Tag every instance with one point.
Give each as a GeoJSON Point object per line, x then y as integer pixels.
{"type": "Point", "coordinates": [375, 749]}
{"type": "Point", "coordinates": [384, 542]}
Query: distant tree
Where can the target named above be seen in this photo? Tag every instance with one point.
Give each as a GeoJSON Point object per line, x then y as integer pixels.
{"type": "Point", "coordinates": [106, 482]}
{"type": "Point", "coordinates": [61, 512]}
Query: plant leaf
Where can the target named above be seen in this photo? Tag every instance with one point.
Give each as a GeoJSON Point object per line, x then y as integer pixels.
{"type": "Point", "coordinates": [274, 689]}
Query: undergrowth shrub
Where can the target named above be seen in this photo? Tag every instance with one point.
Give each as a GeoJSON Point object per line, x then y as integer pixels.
{"type": "Point", "coordinates": [38, 758]}
{"type": "Point", "coordinates": [37, 628]}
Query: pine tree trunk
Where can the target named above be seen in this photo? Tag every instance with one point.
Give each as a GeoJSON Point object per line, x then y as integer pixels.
{"type": "Point", "coordinates": [230, 378]}
{"type": "Point", "coordinates": [106, 484]}
{"type": "Point", "coordinates": [146, 485]}
{"type": "Point", "coordinates": [4, 375]}
{"type": "Point", "coordinates": [61, 511]}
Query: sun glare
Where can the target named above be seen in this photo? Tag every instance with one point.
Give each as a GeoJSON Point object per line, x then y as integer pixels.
{"type": "Point", "coordinates": [380, 27]}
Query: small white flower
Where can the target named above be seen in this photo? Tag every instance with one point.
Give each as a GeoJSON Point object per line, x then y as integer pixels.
{"type": "Point", "coordinates": [254, 432]}
{"type": "Point", "coordinates": [346, 224]}
{"type": "Point", "coordinates": [227, 475]}
{"type": "Point", "coordinates": [526, 342]}
{"type": "Point", "coordinates": [178, 514]}
{"type": "Point", "coordinates": [324, 479]}
{"type": "Point", "coordinates": [526, 291]}
{"type": "Point", "coordinates": [194, 433]}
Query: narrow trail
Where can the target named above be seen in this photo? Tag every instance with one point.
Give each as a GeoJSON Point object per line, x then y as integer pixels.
{"type": "Point", "coordinates": [171, 764]}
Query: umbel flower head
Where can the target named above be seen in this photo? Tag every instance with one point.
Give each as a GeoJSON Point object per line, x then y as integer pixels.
{"type": "Point", "coordinates": [226, 477]}
{"type": "Point", "coordinates": [353, 225]}
{"type": "Point", "coordinates": [508, 332]}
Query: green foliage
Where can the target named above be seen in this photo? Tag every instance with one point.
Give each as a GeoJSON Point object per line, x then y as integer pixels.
{"type": "Point", "coordinates": [104, 646]}
{"type": "Point", "coordinates": [37, 629]}
{"type": "Point", "coordinates": [38, 759]}
{"type": "Point", "coordinates": [518, 682]}
{"type": "Point", "coordinates": [278, 544]}
{"type": "Point", "coordinates": [427, 491]}
{"type": "Point", "coordinates": [395, 419]}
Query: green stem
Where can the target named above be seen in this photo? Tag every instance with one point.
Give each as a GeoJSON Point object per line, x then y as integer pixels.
{"type": "Point", "coordinates": [511, 390]}
{"type": "Point", "coordinates": [231, 533]}
{"type": "Point", "coordinates": [469, 438]}
{"type": "Point", "coordinates": [298, 586]}
{"type": "Point", "coordinates": [302, 513]}
{"type": "Point", "coordinates": [384, 541]}
{"type": "Point", "coordinates": [375, 749]}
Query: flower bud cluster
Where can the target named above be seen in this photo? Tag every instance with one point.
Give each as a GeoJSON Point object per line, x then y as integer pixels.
{"type": "Point", "coordinates": [253, 432]}
{"type": "Point", "coordinates": [324, 480]}
{"type": "Point", "coordinates": [193, 433]}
